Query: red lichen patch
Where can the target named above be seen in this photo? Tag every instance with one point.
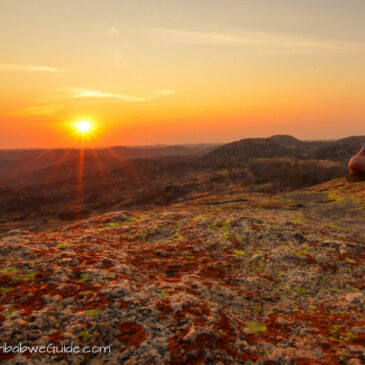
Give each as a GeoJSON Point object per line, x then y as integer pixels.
{"type": "Point", "coordinates": [265, 276]}
{"type": "Point", "coordinates": [29, 297]}
{"type": "Point", "coordinates": [57, 336]}
{"type": "Point", "coordinates": [310, 260]}
{"type": "Point", "coordinates": [351, 258]}
{"type": "Point", "coordinates": [132, 334]}
{"type": "Point", "coordinates": [253, 339]}
{"type": "Point", "coordinates": [43, 252]}
{"type": "Point", "coordinates": [305, 361]}
{"type": "Point", "coordinates": [6, 356]}
{"type": "Point", "coordinates": [225, 325]}
{"type": "Point", "coordinates": [335, 327]}
{"type": "Point", "coordinates": [235, 243]}
{"type": "Point", "coordinates": [359, 340]}
{"type": "Point", "coordinates": [5, 279]}
{"type": "Point", "coordinates": [195, 292]}
{"type": "Point", "coordinates": [328, 267]}
{"type": "Point", "coordinates": [44, 275]}
{"type": "Point", "coordinates": [85, 257]}
{"type": "Point", "coordinates": [183, 351]}
{"type": "Point", "coordinates": [164, 307]}
{"type": "Point", "coordinates": [124, 303]}
{"type": "Point", "coordinates": [197, 311]}
{"type": "Point", "coordinates": [218, 271]}
{"type": "Point", "coordinates": [323, 322]}
{"type": "Point", "coordinates": [226, 340]}
{"type": "Point", "coordinates": [275, 330]}
{"type": "Point", "coordinates": [100, 302]}
{"type": "Point", "coordinates": [107, 264]}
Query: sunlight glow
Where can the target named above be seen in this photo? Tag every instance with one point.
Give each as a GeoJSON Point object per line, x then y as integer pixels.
{"type": "Point", "coordinates": [83, 126]}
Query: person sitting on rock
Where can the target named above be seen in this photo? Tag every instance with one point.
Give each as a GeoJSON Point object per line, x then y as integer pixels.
{"type": "Point", "coordinates": [357, 164]}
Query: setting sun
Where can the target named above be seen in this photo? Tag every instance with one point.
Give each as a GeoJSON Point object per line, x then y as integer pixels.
{"type": "Point", "coordinates": [83, 126]}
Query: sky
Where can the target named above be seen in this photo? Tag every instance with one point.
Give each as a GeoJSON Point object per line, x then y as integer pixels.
{"type": "Point", "coordinates": [172, 72]}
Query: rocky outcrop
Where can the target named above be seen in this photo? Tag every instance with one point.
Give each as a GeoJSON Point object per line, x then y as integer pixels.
{"type": "Point", "coordinates": [252, 278]}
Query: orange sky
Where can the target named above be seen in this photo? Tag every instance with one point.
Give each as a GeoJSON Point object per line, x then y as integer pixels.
{"type": "Point", "coordinates": [169, 71]}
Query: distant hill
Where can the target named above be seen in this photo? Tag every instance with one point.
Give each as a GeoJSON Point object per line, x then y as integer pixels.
{"type": "Point", "coordinates": [44, 181]}
{"type": "Point", "coordinates": [287, 146]}
{"type": "Point", "coordinates": [287, 141]}
{"type": "Point", "coordinates": [247, 148]}
{"type": "Point", "coordinates": [26, 167]}
{"type": "Point", "coordinates": [340, 150]}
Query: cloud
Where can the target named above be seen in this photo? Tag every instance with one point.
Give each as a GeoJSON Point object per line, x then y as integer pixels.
{"type": "Point", "coordinates": [40, 110]}
{"type": "Point", "coordinates": [164, 92]}
{"type": "Point", "coordinates": [35, 68]}
{"type": "Point", "coordinates": [86, 93]}
{"type": "Point", "coordinates": [50, 105]}
{"type": "Point", "coordinates": [258, 42]}
{"type": "Point", "coordinates": [112, 30]}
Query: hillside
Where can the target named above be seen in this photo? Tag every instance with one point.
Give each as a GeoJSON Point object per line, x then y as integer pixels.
{"type": "Point", "coordinates": [287, 146]}
{"type": "Point", "coordinates": [51, 183]}
{"type": "Point", "coordinates": [340, 150]}
{"type": "Point", "coordinates": [226, 277]}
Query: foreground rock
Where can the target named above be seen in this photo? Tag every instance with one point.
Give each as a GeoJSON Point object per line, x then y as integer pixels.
{"type": "Point", "coordinates": [229, 279]}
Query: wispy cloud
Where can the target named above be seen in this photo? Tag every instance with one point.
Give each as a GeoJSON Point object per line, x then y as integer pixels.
{"type": "Point", "coordinates": [86, 93]}
{"type": "Point", "coordinates": [53, 105]}
{"type": "Point", "coordinates": [112, 30]}
{"type": "Point", "coordinates": [31, 68]}
{"type": "Point", "coordinates": [164, 92]}
{"type": "Point", "coordinates": [40, 110]}
{"type": "Point", "coordinates": [258, 41]}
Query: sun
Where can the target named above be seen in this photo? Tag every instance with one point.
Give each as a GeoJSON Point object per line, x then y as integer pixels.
{"type": "Point", "coordinates": [83, 126]}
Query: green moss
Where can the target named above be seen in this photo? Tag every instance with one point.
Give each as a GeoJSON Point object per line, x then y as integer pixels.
{"type": "Point", "coordinates": [8, 313]}
{"type": "Point", "coordinates": [346, 336]}
{"type": "Point", "coordinates": [239, 252]}
{"type": "Point", "coordinates": [301, 290]}
{"type": "Point", "coordinates": [164, 293]}
{"type": "Point", "coordinates": [198, 218]}
{"type": "Point", "coordinates": [9, 270]}
{"type": "Point", "coordinates": [335, 198]}
{"type": "Point", "coordinates": [30, 276]}
{"type": "Point", "coordinates": [298, 220]}
{"type": "Point", "coordinates": [213, 226]}
{"type": "Point", "coordinates": [349, 287]}
{"type": "Point", "coordinates": [17, 278]}
{"type": "Point", "coordinates": [121, 223]}
{"type": "Point", "coordinates": [351, 261]}
{"type": "Point", "coordinates": [256, 326]}
{"type": "Point", "coordinates": [84, 276]}
{"type": "Point", "coordinates": [300, 253]}
{"type": "Point", "coordinates": [260, 265]}
{"type": "Point", "coordinates": [337, 227]}
{"type": "Point", "coordinates": [93, 312]}
{"type": "Point", "coordinates": [178, 237]}
{"type": "Point", "coordinates": [5, 290]}
{"type": "Point", "coordinates": [227, 223]}
{"type": "Point", "coordinates": [85, 336]}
